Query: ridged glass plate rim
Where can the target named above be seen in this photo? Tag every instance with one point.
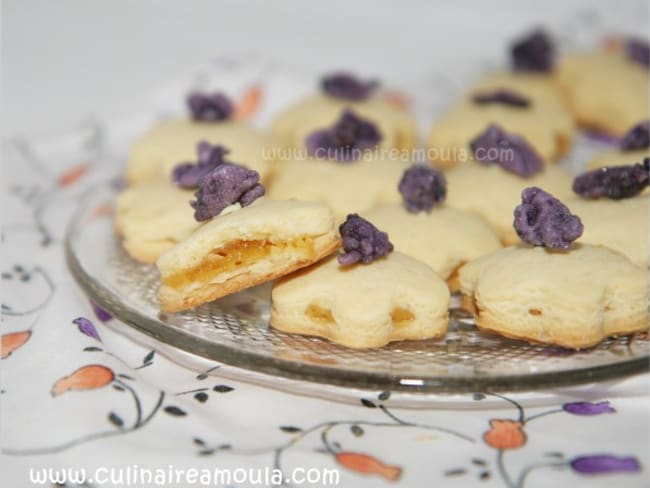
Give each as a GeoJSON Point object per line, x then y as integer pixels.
{"type": "Point", "coordinates": [365, 380]}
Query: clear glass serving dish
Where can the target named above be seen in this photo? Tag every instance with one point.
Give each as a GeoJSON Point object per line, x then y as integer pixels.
{"type": "Point", "coordinates": [235, 331]}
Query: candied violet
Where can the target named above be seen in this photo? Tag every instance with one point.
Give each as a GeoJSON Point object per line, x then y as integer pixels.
{"type": "Point", "coordinates": [225, 185]}
{"type": "Point", "coordinates": [188, 175]}
{"type": "Point", "coordinates": [637, 138]}
{"type": "Point", "coordinates": [511, 151]}
{"type": "Point", "coordinates": [347, 86]}
{"type": "Point", "coordinates": [422, 188]}
{"type": "Point", "coordinates": [503, 96]}
{"type": "Point", "coordinates": [209, 107]}
{"type": "Point", "coordinates": [362, 241]}
{"type": "Point", "coordinates": [543, 220]}
{"type": "Point", "coordinates": [535, 52]}
{"type": "Point", "coordinates": [614, 182]}
{"type": "Point", "coordinates": [638, 50]}
{"type": "Point", "coordinates": [346, 140]}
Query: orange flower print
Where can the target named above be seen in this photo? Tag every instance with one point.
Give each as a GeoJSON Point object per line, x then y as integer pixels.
{"type": "Point", "coordinates": [68, 177]}
{"type": "Point", "coordinates": [103, 210]}
{"type": "Point", "coordinates": [365, 464]}
{"type": "Point", "coordinates": [505, 434]}
{"type": "Point", "coordinates": [85, 378]}
{"type": "Point", "coordinates": [248, 103]}
{"type": "Point", "coordinates": [13, 341]}
{"type": "Point", "coordinates": [612, 43]}
{"type": "Point", "coordinates": [397, 99]}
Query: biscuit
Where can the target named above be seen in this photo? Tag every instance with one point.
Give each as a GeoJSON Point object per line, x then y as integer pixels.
{"type": "Point", "coordinates": [542, 90]}
{"type": "Point", "coordinates": [291, 127]}
{"type": "Point", "coordinates": [493, 193]}
{"type": "Point", "coordinates": [242, 249]}
{"type": "Point", "coordinates": [573, 299]}
{"type": "Point", "coordinates": [604, 90]}
{"type": "Point", "coordinates": [539, 87]}
{"type": "Point", "coordinates": [546, 124]}
{"type": "Point", "coordinates": [170, 142]}
{"type": "Point", "coordinates": [361, 306]}
{"type": "Point", "coordinates": [152, 217]}
{"type": "Point", "coordinates": [445, 238]}
{"type": "Point", "coordinates": [621, 225]}
{"type": "Point", "coordinates": [344, 187]}
{"type": "Point", "coordinates": [616, 157]}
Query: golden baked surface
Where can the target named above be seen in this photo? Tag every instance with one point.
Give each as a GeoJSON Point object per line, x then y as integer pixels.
{"type": "Point", "coordinates": [493, 193]}
{"type": "Point", "coordinates": [604, 90]}
{"type": "Point", "coordinates": [546, 124]}
{"type": "Point", "coordinates": [445, 238]}
{"type": "Point", "coordinates": [394, 298]}
{"type": "Point", "coordinates": [292, 126]}
{"type": "Point", "coordinates": [244, 248]}
{"type": "Point", "coordinates": [573, 298]}
{"type": "Point", "coordinates": [152, 217]}
{"type": "Point", "coordinates": [170, 142]}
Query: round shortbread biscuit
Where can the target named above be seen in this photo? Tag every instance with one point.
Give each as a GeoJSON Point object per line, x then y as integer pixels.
{"type": "Point", "coordinates": [174, 141]}
{"type": "Point", "coordinates": [292, 126]}
{"type": "Point", "coordinates": [604, 90]}
{"type": "Point", "coordinates": [573, 298]}
{"type": "Point", "coordinates": [353, 187]}
{"type": "Point", "coordinates": [539, 87]}
{"type": "Point", "coordinates": [444, 238]}
{"type": "Point", "coordinates": [493, 193]}
{"type": "Point", "coordinates": [244, 248]}
{"type": "Point", "coordinates": [616, 157]}
{"type": "Point", "coordinates": [394, 298]}
{"type": "Point", "coordinates": [621, 225]}
{"type": "Point", "coordinates": [546, 124]}
{"type": "Point", "coordinates": [152, 217]}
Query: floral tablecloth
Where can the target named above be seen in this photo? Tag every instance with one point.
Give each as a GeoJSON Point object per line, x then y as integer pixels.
{"type": "Point", "coordinates": [86, 402]}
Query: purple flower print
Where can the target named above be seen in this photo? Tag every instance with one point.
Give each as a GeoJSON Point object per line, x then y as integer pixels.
{"type": "Point", "coordinates": [100, 313]}
{"type": "Point", "coordinates": [588, 408]}
{"type": "Point", "coordinates": [86, 327]}
{"type": "Point", "coordinates": [604, 463]}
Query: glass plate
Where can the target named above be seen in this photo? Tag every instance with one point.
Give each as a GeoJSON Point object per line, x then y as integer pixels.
{"type": "Point", "coordinates": [234, 330]}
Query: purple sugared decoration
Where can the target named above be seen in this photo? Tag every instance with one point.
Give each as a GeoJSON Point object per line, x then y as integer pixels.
{"type": "Point", "coordinates": [501, 96]}
{"type": "Point", "coordinates": [213, 107]}
{"type": "Point", "coordinates": [613, 182]}
{"type": "Point", "coordinates": [362, 241]}
{"type": "Point", "coordinates": [422, 188]}
{"type": "Point", "coordinates": [224, 186]}
{"type": "Point", "coordinates": [511, 151]}
{"type": "Point", "coordinates": [346, 140]}
{"type": "Point", "coordinates": [251, 195]}
{"type": "Point", "coordinates": [588, 408]}
{"type": "Point", "coordinates": [638, 50]}
{"type": "Point", "coordinates": [542, 220]}
{"type": "Point", "coordinates": [100, 313]}
{"type": "Point", "coordinates": [86, 327]}
{"type": "Point", "coordinates": [637, 138]}
{"type": "Point", "coordinates": [346, 86]}
{"type": "Point", "coordinates": [188, 175]}
{"type": "Point", "coordinates": [534, 52]}
{"type": "Point", "coordinates": [604, 463]}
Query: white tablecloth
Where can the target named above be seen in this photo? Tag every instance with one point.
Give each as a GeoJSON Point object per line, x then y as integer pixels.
{"type": "Point", "coordinates": [76, 394]}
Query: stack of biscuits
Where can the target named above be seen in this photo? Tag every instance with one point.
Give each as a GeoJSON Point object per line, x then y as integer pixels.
{"type": "Point", "coordinates": [206, 204]}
